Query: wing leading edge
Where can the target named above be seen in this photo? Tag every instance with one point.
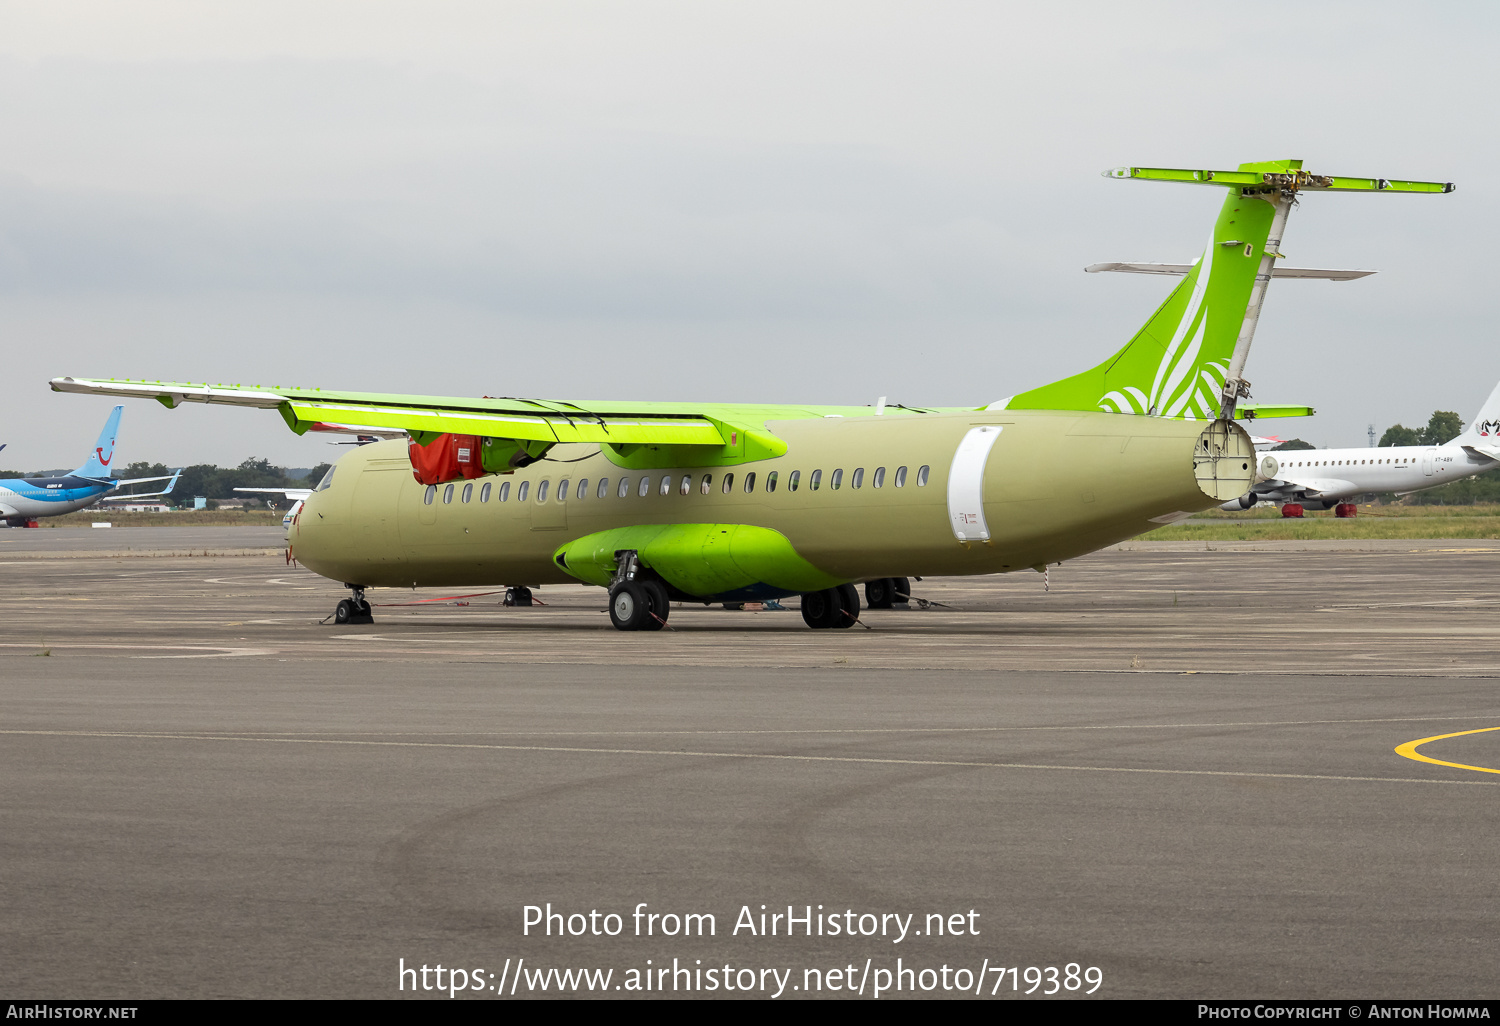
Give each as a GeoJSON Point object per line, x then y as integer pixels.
{"type": "Point", "coordinates": [674, 432]}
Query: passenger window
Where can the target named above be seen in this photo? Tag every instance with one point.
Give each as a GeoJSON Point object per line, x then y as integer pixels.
{"type": "Point", "coordinates": [447, 495]}
{"type": "Point", "coordinates": [750, 482]}
{"type": "Point", "coordinates": [603, 488]}
{"type": "Point", "coordinates": [814, 480]}
{"type": "Point", "coordinates": [922, 476]}
{"type": "Point", "coordinates": [792, 480]}
{"type": "Point", "coordinates": [837, 479]}
{"type": "Point", "coordinates": [541, 490]}
{"type": "Point", "coordinates": [468, 492]}
{"type": "Point", "coordinates": [430, 494]}
{"type": "Point", "coordinates": [504, 491]}
{"type": "Point", "coordinates": [484, 492]}
{"type": "Point", "coordinates": [624, 487]}
{"type": "Point", "coordinates": [562, 490]}
{"type": "Point", "coordinates": [728, 483]}
{"type": "Point", "coordinates": [878, 480]}
{"type": "Point", "coordinates": [645, 486]}
{"type": "Point", "coordinates": [857, 478]}
{"type": "Point", "coordinates": [687, 484]}
{"type": "Point", "coordinates": [522, 490]}
{"type": "Point", "coordinates": [771, 481]}
{"type": "Point", "coordinates": [708, 479]}
{"type": "Point", "coordinates": [900, 481]}
{"type": "Point", "coordinates": [583, 488]}
{"type": "Point", "coordinates": [666, 484]}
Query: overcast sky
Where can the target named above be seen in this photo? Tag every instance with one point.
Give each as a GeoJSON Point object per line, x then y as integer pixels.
{"type": "Point", "coordinates": [758, 201]}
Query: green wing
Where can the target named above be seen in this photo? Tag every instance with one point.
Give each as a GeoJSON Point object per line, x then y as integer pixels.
{"type": "Point", "coordinates": [638, 434]}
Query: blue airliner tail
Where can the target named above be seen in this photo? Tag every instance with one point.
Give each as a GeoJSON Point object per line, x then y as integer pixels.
{"type": "Point", "coordinates": [97, 466]}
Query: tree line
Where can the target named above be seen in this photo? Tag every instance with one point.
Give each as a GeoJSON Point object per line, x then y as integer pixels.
{"type": "Point", "coordinates": [217, 483]}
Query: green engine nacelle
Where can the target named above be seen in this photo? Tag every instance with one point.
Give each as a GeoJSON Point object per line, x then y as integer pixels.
{"type": "Point", "coordinates": [714, 562]}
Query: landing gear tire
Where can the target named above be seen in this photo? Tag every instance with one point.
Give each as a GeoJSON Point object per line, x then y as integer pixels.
{"type": "Point", "coordinates": [1345, 509]}
{"type": "Point", "coordinates": [834, 607]}
{"type": "Point", "coordinates": [848, 605]}
{"type": "Point", "coordinates": [1292, 510]}
{"type": "Point", "coordinates": [517, 596]}
{"type": "Point", "coordinates": [352, 611]}
{"type": "Point", "coordinates": [820, 609]}
{"type": "Point", "coordinates": [659, 606]}
{"type": "Point", "coordinates": [629, 606]}
{"type": "Point", "coordinates": [900, 591]}
{"type": "Point", "coordinates": [878, 593]}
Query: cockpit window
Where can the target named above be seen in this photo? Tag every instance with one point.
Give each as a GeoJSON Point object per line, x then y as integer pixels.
{"type": "Point", "coordinates": [327, 480]}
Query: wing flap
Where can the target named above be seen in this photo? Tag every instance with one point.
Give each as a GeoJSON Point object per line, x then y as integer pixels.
{"type": "Point", "coordinates": [520, 419]}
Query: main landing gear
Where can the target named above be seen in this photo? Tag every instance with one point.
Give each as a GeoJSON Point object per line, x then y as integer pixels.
{"type": "Point", "coordinates": [886, 592]}
{"type": "Point", "coordinates": [637, 602]}
{"type": "Point", "coordinates": [354, 609]}
{"type": "Point", "coordinates": [835, 607]}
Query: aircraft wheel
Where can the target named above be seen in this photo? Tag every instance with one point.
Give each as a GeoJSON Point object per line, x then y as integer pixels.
{"type": "Point", "coordinates": [352, 611]}
{"type": "Point", "coordinates": [629, 606]}
{"type": "Point", "coordinates": [1345, 509]}
{"type": "Point", "coordinates": [900, 591]}
{"type": "Point", "coordinates": [1292, 510]}
{"type": "Point", "coordinates": [878, 593]}
{"type": "Point", "coordinates": [848, 606]}
{"type": "Point", "coordinates": [820, 609]}
{"type": "Point", "coordinates": [659, 607]}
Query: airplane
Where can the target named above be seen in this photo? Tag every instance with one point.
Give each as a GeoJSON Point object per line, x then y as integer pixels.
{"type": "Point", "coordinates": [22, 500]}
{"type": "Point", "coordinates": [717, 502]}
{"type": "Point", "coordinates": [1327, 478]}
{"type": "Point", "coordinates": [297, 495]}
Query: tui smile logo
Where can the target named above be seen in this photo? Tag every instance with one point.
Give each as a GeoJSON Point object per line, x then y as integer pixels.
{"type": "Point", "coordinates": [103, 459]}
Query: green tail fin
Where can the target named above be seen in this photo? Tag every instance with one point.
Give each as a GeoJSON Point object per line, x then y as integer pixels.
{"type": "Point", "coordinates": [1176, 365]}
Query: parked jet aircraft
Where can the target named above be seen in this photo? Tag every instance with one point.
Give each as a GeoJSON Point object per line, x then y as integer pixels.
{"type": "Point", "coordinates": [1327, 478]}
{"type": "Point", "coordinates": [22, 500]}
{"type": "Point", "coordinates": [297, 496]}
{"type": "Point", "coordinates": [719, 502]}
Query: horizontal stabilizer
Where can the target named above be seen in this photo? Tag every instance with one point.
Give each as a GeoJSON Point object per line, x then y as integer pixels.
{"type": "Point", "coordinates": [1289, 175]}
{"type": "Point", "coordinates": [1266, 411]}
{"type": "Point", "coordinates": [1487, 451]}
{"type": "Point", "coordinates": [1327, 274]}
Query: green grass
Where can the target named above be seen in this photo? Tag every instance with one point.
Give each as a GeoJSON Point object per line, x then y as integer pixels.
{"type": "Point", "coordinates": [1373, 521]}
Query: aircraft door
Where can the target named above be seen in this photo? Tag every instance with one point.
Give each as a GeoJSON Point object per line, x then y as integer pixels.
{"type": "Point", "coordinates": [966, 483]}
{"type": "Point", "coordinates": [1426, 462]}
{"type": "Point", "coordinates": [549, 505]}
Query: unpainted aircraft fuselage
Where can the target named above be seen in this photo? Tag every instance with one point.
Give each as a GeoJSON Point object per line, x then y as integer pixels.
{"type": "Point", "coordinates": [857, 498]}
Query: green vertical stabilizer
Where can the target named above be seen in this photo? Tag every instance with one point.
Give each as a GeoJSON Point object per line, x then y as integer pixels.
{"type": "Point", "coordinates": [1178, 363]}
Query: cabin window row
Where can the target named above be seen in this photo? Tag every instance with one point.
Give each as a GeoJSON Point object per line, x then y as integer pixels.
{"type": "Point", "coordinates": [1352, 463]}
{"type": "Point", "coordinates": [670, 482]}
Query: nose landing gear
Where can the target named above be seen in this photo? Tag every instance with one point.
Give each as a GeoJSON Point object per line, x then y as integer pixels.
{"type": "Point", "coordinates": [354, 609]}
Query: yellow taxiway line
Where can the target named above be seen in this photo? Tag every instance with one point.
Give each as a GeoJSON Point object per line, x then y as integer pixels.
{"type": "Point", "coordinates": [1409, 750]}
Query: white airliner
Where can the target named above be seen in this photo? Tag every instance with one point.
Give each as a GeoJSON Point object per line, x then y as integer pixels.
{"type": "Point", "coordinates": [1328, 478]}
{"type": "Point", "coordinates": [297, 495]}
